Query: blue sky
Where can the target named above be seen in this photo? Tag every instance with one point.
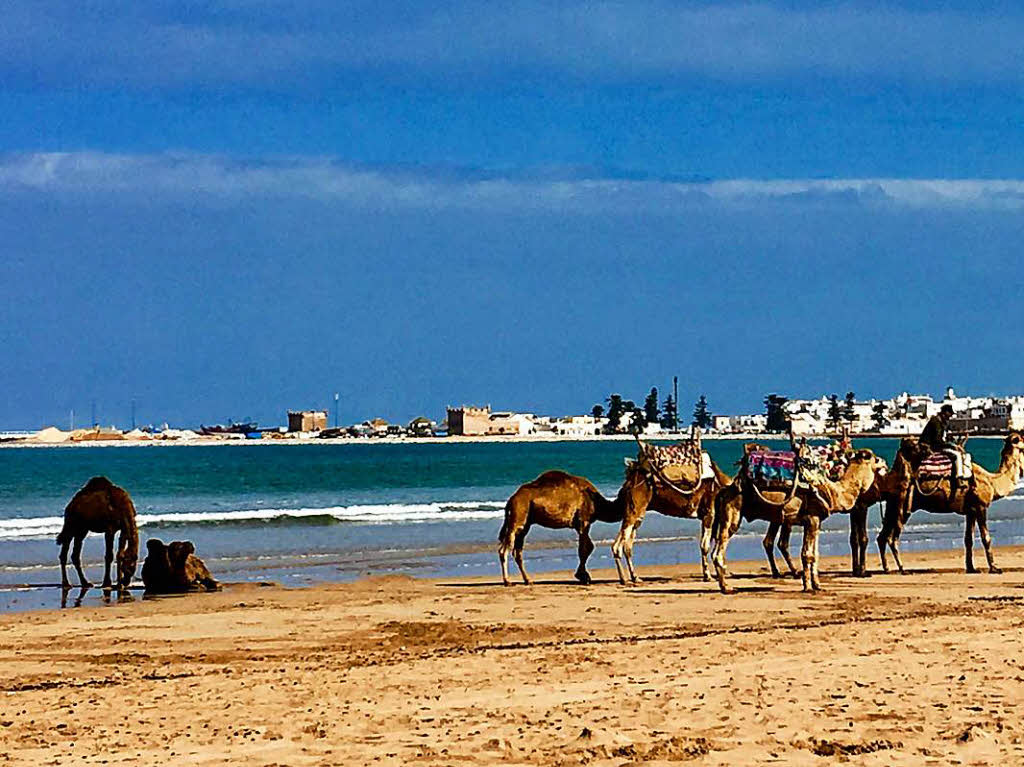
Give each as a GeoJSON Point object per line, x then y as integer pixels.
{"type": "Point", "coordinates": [226, 209]}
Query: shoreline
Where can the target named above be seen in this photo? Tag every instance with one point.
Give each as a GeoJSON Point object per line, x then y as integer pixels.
{"type": "Point", "coordinates": [496, 440]}
{"type": "Point", "coordinates": [834, 566]}
{"type": "Point", "coordinates": [398, 670]}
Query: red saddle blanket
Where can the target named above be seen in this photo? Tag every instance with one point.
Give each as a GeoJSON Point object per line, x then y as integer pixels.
{"type": "Point", "coordinates": [936, 465]}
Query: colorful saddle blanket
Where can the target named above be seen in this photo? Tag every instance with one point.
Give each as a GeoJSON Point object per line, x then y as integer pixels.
{"type": "Point", "coordinates": [771, 466]}
{"type": "Point", "coordinates": [936, 465]}
{"type": "Point", "coordinates": [940, 466]}
{"type": "Point", "coordinates": [670, 459]}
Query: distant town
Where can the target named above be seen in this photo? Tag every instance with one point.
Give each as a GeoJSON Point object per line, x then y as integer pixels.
{"type": "Point", "coordinates": [826, 416]}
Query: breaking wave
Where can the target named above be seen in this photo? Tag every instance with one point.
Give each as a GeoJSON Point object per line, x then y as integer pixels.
{"type": "Point", "coordinates": [388, 513]}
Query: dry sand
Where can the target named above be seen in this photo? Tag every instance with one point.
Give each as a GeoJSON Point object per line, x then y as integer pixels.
{"type": "Point", "coordinates": [921, 669]}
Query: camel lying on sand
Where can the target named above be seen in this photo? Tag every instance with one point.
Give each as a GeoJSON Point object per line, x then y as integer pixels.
{"type": "Point", "coordinates": [695, 500]}
{"type": "Point", "coordinates": [904, 493]}
{"type": "Point", "coordinates": [559, 500]}
{"type": "Point", "coordinates": [174, 569]}
{"type": "Point", "coordinates": [100, 507]}
{"type": "Point", "coordinates": [803, 505]}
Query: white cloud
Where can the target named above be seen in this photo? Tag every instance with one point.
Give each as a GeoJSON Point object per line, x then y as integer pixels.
{"type": "Point", "coordinates": [94, 175]}
{"type": "Point", "coordinates": [304, 42]}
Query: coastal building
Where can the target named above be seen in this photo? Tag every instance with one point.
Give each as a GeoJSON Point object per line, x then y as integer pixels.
{"type": "Point", "coordinates": [481, 421]}
{"type": "Point", "coordinates": [307, 420]}
{"type": "Point", "coordinates": [421, 427]}
{"type": "Point", "coordinates": [579, 426]}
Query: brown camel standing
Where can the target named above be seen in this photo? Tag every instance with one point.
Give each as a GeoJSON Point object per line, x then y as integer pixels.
{"type": "Point", "coordinates": [693, 502]}
{"type": "Point", "coordinates": [904, 494]}
{"type": "Point", "coordinates": [803, 505]}
{"type": "Point", "coordinates": [558, 500]}
{"type": "Point", "coordinates": [100, 507]}
{"type": "Point", "coordinates": [858, 530]}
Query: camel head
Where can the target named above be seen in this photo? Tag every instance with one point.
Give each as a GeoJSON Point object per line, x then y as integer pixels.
{"type": "Point", "coordinates": [1013, 449]}
{"type": "Point", "coordinates": [866, 467]}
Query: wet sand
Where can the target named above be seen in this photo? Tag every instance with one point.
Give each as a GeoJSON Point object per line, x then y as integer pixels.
{"type": "Point", "coordinates": [919, 669]}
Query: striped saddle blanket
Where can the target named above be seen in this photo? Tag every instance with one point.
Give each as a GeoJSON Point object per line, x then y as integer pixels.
{"type": "Point", "coordinates": [940, 466]}
{"type": "Point", "coordinates": [771, 467]}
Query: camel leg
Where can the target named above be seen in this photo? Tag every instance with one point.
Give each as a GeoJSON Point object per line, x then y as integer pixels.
{"type": "Point", "coordinates": [122, 547]}
{"type": "Point", "coordinates": [586, 548]}
{"type": "Point", "coordinates": [787, 529]}
{"type": "Point", "coordinates": [504, 544]}
{"type": "Point", "coordinates": [108, 558]}
{"type": "Point", "coordinates": [628, 549]}
{"type": "Point", "coordinates": [894, 543]}
{"type": "Point", "coordinates": [64, 582]}
{"type": "Point", "coordinates": [517, 553]}
{"type": "Point", "coordinates": [815, 583]}
{"type": "Point", "coordinates": [969, 544]}
{"type": "Point", "coordinates": [617, 546]}
{"type": "Point", "coordinates": [705, 546]}
{"type": "Point", "coordinates": [807, 554]}
{"type": "Point", "coordinates": [76, 560]}
{"type": "Point", "coordinates": [883, 537]}
{"type": "Point", "coordinates": [769, 546]}
{"type": "Point", "coordinates": [858, 541]}
{"type": "Point", "coordinates": [986, 541]}
{"type": "Point", "coordinates": [727, 521]}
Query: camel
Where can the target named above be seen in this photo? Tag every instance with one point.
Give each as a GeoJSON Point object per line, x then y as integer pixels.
{"type": "Point", "coordinates": [668, 498]}
{"type": "Point", "coordinates": [174, 568]}
{"type": "Point", "coordinates": [100, 507]}
{"type": "Point", "coordinates": [804, 505]}
{"type": "Point", "coordinates": [858, 530]}
{"type": "Point", "coordinates": [558, 500]}
{"type": "Point", "coordinates": [904, 494]}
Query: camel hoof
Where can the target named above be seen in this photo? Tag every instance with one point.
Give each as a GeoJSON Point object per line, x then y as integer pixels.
{"type": "Point", "coordinates": [972, 571]}
{"type": "Point", "coordinates": [506, 583]}
{"type": "Point", "coordinates": [584, 578]}
{"type": "Point", "coordinates": [727, 589]}
{"type": "Point", "coordinates": [995, 570]}
{"type": "Point", "coordinates": [86, 584]}
{"type": "Point", "coordinates": [637, 581]}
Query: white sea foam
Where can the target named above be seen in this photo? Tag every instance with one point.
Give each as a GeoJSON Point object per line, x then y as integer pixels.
{"type": "Point", "coordinates": [446, 511]}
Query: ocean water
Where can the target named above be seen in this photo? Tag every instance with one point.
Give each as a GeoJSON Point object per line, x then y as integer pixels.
{"type": "Point", "coordinates": [300, 514]}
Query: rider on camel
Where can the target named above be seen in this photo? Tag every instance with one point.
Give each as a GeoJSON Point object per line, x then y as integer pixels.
{"type": "Point", "coordinates": [935, 439]}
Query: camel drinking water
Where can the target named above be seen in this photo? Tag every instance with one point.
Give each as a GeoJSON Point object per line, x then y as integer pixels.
{"type": "Point", "coordinates": [100, 507]}
{"type": "Point", "coordinates": [558, 500]}
{"type": "Point", "coordinates": [904, 492]}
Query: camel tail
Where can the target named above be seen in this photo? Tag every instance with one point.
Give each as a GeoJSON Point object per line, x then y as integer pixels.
{"type": "Point", "coordinates": [505, 534]}
{"type": "Point", "coordinates": [64, 536]}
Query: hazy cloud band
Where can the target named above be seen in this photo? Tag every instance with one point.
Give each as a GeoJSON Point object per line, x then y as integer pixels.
{"type": "Point", "coordinates": [216, 177]}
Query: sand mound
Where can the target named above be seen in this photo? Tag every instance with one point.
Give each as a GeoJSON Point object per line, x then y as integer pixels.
{"type": "Point", "coordinates": [51, 435]}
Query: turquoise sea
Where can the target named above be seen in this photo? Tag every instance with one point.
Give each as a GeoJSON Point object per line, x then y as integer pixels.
{"type": "Point", "coordinates": [300, 514]}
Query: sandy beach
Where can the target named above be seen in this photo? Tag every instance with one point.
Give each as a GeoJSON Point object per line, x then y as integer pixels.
{"type": "Point", "coordinates": [919, 669]}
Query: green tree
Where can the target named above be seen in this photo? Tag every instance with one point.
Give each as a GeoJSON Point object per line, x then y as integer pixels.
{"type": "Point", "coordinates": [597, 411]}
{"type": "Point", "coordinates": [835, 412]}
{"type": "Point", "coordinates": [849, 413]}
{"type": "Point", "coordinates": [878, 415]}
{"type": "Point", "coordinates": [651, 412]}
{"type": "Point", "coordinates": [669, 414]}
{"type": "Point", "coordinates": [701, 414]}
{"type": "Point", "coordinates": [616, 409]}
{"type": "Point", "coordinates": [775, 410]}
{"type": "Point", "coordinates": [637, 420]}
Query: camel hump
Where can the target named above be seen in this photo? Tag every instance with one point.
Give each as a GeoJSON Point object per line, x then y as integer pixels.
{"type": "Point", "coordinates": [97, 483]}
